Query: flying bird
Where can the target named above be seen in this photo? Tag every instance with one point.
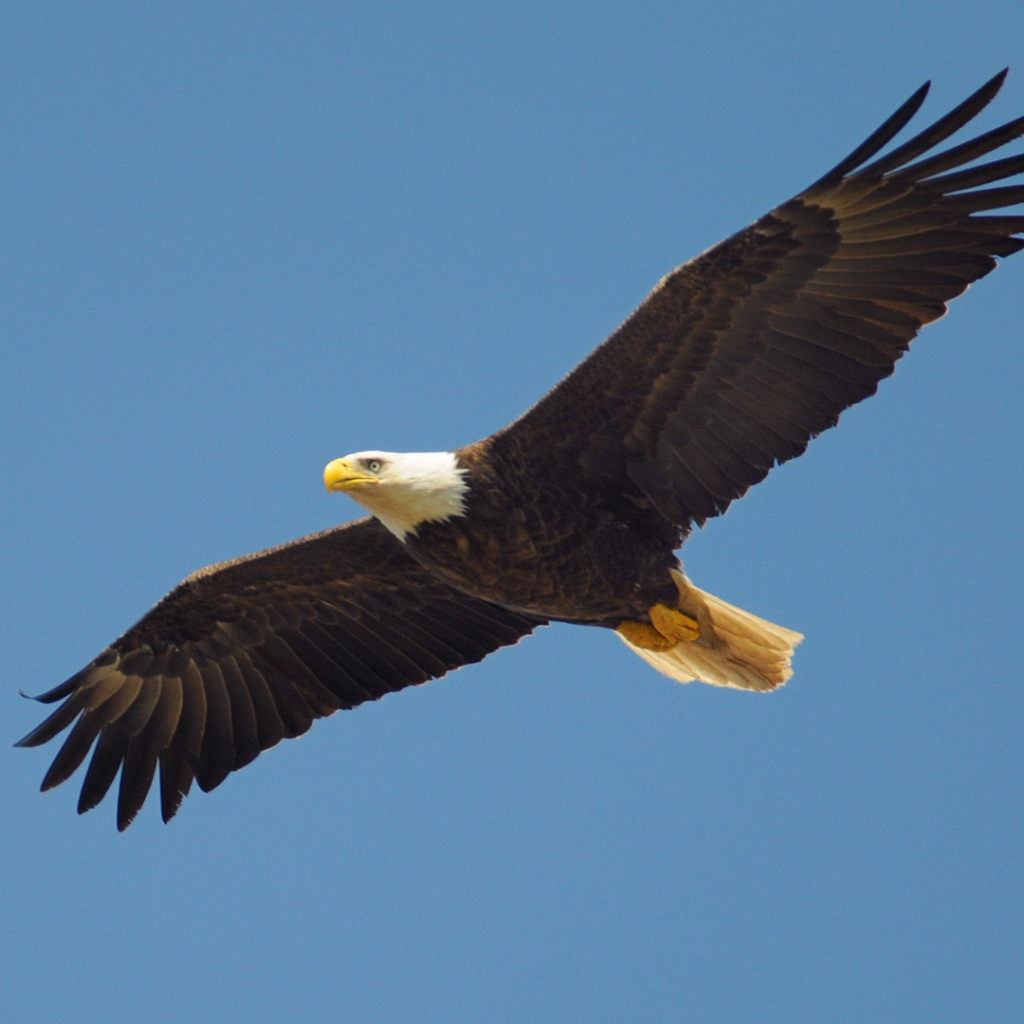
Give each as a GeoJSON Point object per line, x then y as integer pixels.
{"type": "Point", "coordinates": [574, 511]}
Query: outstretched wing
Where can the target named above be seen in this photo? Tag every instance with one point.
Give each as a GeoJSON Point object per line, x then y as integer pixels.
{"type": "Point", "coordinates": [246, 653]}
{"type": "Point", "coordinates": [739, 357]}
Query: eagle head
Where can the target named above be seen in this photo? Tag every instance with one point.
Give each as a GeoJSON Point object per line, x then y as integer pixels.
{"type": "Point", "coordinates": [402, 489]}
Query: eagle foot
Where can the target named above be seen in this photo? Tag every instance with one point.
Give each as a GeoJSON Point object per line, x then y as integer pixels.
{"type": "Point", "coordinates": [668, 627]}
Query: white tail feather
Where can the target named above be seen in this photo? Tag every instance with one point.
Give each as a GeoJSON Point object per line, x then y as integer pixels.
{"type": "Point", "coordinates": [735, 648]}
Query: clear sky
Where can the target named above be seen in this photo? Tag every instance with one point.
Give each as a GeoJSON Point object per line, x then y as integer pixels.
{"type": "Point", "coordinates": [240, 240]}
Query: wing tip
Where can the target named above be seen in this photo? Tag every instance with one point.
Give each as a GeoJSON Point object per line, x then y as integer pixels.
{"type": "Point", "coordinates": [974, 104]}
{"type": "Point", "coordinates": [878, 138]}
{"type": "Point", "coordinates": [57, 693]}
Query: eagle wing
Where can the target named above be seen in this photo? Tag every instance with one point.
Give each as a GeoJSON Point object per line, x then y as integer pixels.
{"type": "Point", "coordinates": [739, 357]}
{"type": "Point", "coordinates": [246, 653]}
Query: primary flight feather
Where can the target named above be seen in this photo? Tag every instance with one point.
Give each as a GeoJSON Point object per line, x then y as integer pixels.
{"type": "Point", "coordinates": [574, 511]}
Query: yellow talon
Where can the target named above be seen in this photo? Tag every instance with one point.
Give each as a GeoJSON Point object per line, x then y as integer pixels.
{"type": "Point", "coordinates": [673, 625]}
{"type": "Point", "coordinates": [669, 627]}
{"type": "Point", "coordinates": [640, 634]}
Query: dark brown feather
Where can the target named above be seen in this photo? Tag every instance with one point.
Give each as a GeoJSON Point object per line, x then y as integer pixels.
{"type": "Point", "coordinates": [245, 653]}
{"type": "Point", "coordinates": [217, 750]}
{"type": "Point", "coordinates": [73, 752]}
{"type": "Point", "coordinates": [243, 714]}
{"type": "Point", "coordinates": [103, 768]}
{"type": "Point", "coordinates": [140, 762]}
{"type": "Point", "coordinates": [739, 357]}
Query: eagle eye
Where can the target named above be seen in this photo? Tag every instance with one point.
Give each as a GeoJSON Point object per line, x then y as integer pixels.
{"type": "Point", "coordinates": [373, 465]}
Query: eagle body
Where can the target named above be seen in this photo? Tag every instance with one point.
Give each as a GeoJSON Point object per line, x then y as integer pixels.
{"type": "Point", "coordinates": [572, 550]}
{"type": "Point", "coordinates": [574, 512]}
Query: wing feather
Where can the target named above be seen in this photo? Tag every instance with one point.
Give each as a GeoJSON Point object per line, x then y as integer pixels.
{"type": "Point", "coordinates": [739, 357]}
{"type": "Point", "coordinates": [103, 768]}
{"type": "Point", "coordinates": [140, 761]}
{"type": "Point", "coordinates": [74, 751]}
{"type": "Point", "coordinates": [244, 731]}
{"type": "Point", "coordinates": [217, 750]}
{"type": "Point", "coordinates": [244, 654]}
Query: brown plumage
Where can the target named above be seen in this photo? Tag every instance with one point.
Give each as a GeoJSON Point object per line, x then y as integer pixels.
{"type": "Point", "coordinates": [246, 653]}
{"type": "Point", "coordinates": [732, 364]}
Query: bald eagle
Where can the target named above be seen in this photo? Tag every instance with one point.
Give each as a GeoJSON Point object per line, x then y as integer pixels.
{"type": "Point", "coordinates": [573, 512]}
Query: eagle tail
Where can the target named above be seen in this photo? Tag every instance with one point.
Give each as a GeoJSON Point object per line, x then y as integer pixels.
{"type": "Point", "coordinates": [734, 649]}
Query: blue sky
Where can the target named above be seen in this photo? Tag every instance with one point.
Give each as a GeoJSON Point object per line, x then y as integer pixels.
{"type": "Point", "coordinates": [240, 240]}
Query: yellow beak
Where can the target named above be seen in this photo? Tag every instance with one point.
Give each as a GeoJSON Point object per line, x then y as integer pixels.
{"type": "Point", "coordinates": [339, 475]}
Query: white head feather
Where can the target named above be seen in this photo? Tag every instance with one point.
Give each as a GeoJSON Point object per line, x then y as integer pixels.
{"type": "Point", "coordinates": [402, 489]}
